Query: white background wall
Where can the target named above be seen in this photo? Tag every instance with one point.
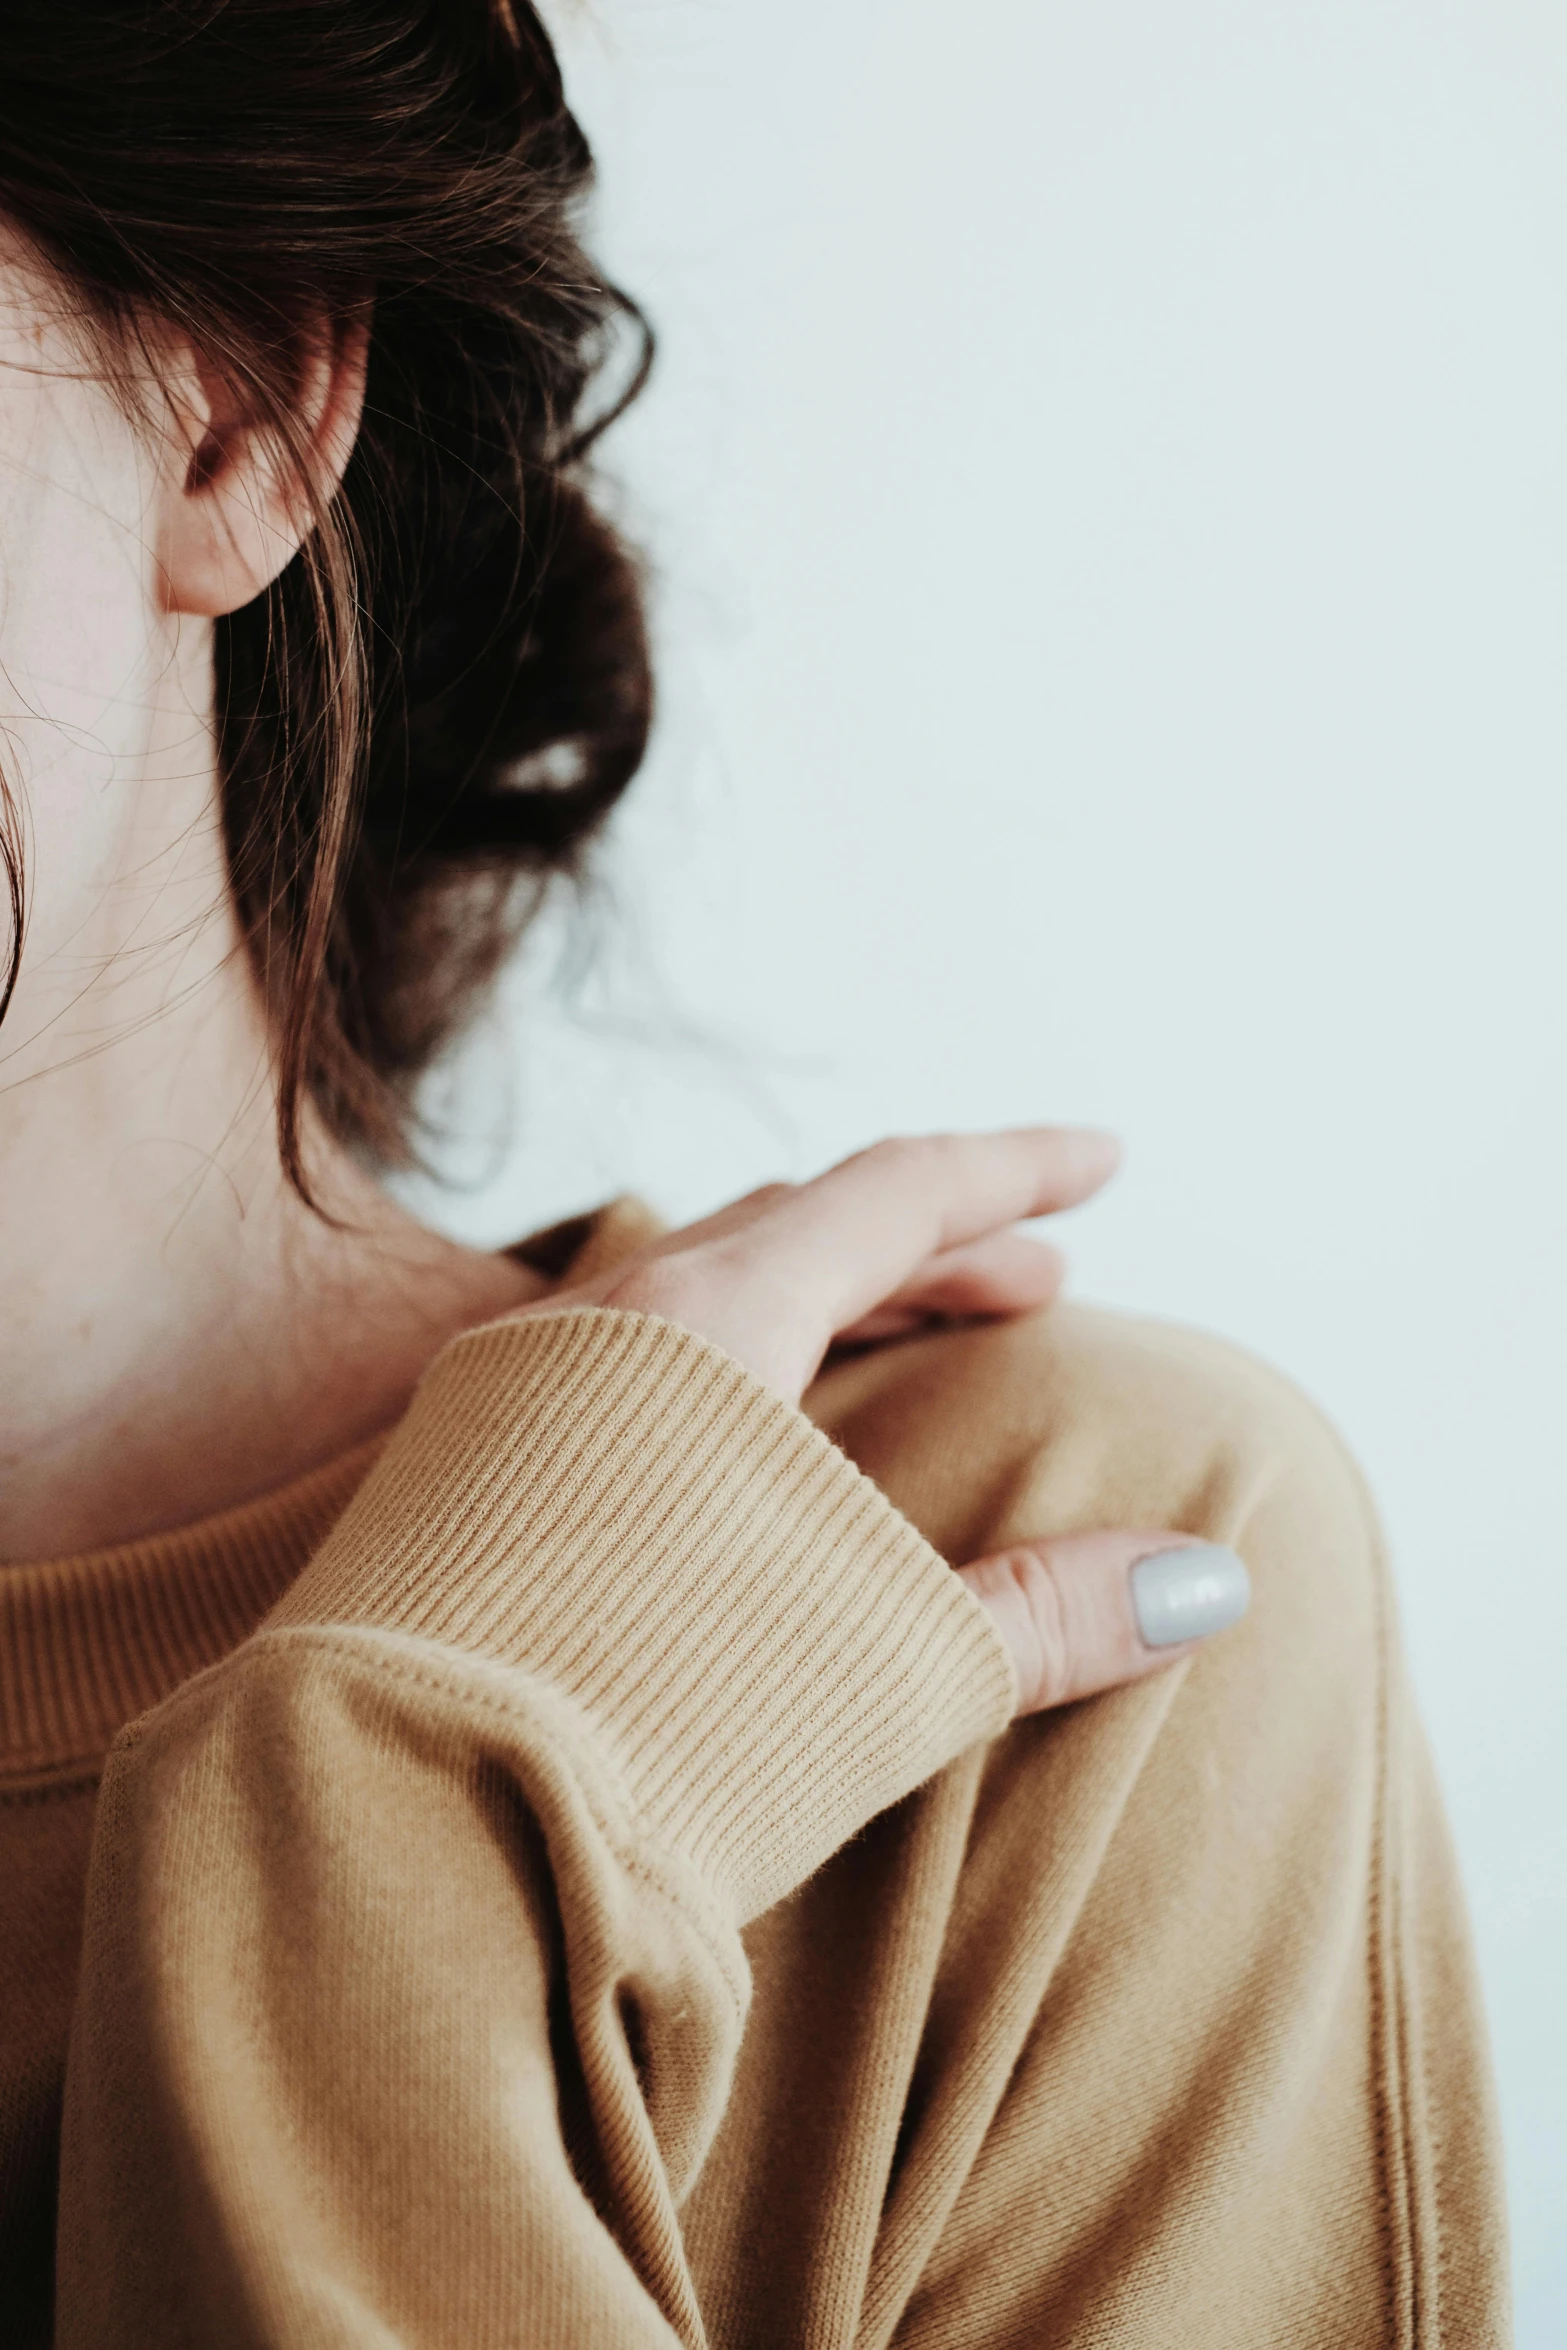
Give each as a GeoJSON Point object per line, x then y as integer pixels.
{"type": "Point", "coordinates": [1108, 473]}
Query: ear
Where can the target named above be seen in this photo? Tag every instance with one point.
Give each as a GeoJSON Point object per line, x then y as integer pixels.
{"type": "Point", "coordinates": [233, 511]}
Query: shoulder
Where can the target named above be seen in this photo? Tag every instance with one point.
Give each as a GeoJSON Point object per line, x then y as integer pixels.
{"type": "Point", "coordinates": [1079, 1417]}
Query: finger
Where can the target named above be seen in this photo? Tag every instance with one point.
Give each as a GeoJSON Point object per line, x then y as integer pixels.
{"type": "Point", "coordinates": [870, 1224]}
{"type": "Point", "coordinates": [1087, 1612]}
{"type": "Point", "coordinates": [1007, 1274]}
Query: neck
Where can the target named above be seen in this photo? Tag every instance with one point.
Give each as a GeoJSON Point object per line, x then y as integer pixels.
{"type": "Point", "coordinates": [182, 1332]}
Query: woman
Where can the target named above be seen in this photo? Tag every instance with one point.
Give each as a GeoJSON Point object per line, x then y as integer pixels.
{"type": "Point", "coordinates": [510, 1836]}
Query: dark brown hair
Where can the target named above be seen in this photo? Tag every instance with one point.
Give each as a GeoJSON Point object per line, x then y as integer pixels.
{"type": "Point", "coordinates": [443, 695]}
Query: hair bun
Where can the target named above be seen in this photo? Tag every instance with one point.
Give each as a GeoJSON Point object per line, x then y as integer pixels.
{"type": "Point", "coordinates": [439, 701]}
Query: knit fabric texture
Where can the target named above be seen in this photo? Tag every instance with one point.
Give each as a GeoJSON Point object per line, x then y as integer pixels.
{"type": "Point", "coordinates": [563, 1876]}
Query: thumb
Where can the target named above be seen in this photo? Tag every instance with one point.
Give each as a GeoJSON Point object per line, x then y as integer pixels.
{"type": "Point", "coordinates": [1087, 1611]}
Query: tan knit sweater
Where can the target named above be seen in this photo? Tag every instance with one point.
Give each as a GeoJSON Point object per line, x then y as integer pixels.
{"type": "Point", "coordinates": [565, 1883]}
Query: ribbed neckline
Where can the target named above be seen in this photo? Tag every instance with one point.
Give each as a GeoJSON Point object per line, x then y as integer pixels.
{"type": "Point", "coordinates": [88, 1643]}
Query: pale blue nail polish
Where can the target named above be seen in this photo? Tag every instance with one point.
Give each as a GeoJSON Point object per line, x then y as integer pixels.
{"type": "Point", "coordinates": [1186, 1594]}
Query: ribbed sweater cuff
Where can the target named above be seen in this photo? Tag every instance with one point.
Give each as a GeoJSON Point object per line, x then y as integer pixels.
{"type": "Point", "coordinates": [770, 1650]}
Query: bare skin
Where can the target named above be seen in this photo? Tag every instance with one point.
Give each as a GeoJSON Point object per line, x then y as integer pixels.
{"type": "Point", "coordinates": [181, 1331]}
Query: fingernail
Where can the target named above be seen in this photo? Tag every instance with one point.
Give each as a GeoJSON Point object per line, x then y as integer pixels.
{"type": "Point", "coordinates": [1186, 1594]}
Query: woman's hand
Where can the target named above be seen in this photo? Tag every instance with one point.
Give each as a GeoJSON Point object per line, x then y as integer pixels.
{"type": "Point", "coordinates": [908, 1233]}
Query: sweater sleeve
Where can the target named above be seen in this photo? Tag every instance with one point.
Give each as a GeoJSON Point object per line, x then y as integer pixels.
{"type": "Point", "coordinates": [412, 1982]}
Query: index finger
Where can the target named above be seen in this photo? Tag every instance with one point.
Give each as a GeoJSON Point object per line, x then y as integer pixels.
{"type": "Point", "coordinates": [873, 1220]}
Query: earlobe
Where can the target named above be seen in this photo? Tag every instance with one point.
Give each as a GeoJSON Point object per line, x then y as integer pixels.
{"type": "Point", "coordinates": [237, 503]}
